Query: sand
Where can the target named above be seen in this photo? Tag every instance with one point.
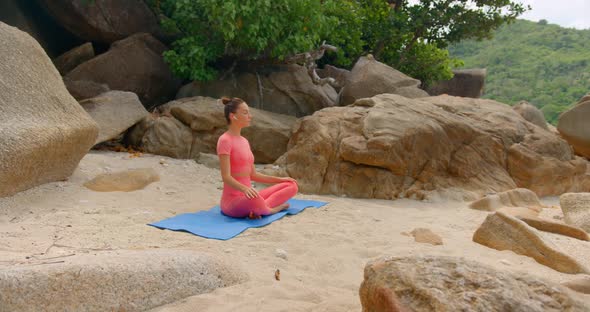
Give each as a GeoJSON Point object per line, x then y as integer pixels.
{"type": "Point", "coordinates": [326, 249]}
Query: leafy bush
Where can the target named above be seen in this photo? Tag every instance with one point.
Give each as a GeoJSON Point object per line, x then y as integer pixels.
{"type": "Point", "coordinates": [214, 34]}
{"type": "Point", "coordinates": [218, 32]}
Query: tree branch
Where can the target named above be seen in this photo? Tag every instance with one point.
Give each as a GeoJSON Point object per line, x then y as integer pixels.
{"type": "Point", "coordinates": [308, 59]}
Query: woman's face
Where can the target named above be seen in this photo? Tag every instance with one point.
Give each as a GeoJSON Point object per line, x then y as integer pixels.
{"type": "Point", "coordinates": [242, 116]}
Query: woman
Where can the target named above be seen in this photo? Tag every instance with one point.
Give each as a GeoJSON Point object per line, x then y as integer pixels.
{"type": "Point", "coordinates": [239, 199]}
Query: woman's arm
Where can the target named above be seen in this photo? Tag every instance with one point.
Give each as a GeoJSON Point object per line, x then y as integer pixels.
{"type": "Point", "coordinates": [224, 165]}
{"type": "Point", "coordinates": [262, 178]}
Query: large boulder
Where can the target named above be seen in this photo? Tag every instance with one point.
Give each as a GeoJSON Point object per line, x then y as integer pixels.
{"type": "Point", "coordinates": [115, 112]}
{"type": "Point", "coordinates": [30, 17]}
{"type": "Point", "coordinates": [339, 74]}
{"type": "Point", "coordinates": [74, 57]}
{"type": "Point", "coordinates": [390, 146]}
{"type": "Point", "coordinates": [531, 114]}
{"type": "Point", "coordinates": [370, 77]}
{"type": "Point", "coordinates": [84, 89]}
{"type": "Point", "coordinates": [283, 89]}
{"type": "Point", "coordinates": [188, 127]}
{"type": "Point", "coordinates": [576, 209]}
{"type": "Point", "coordinates": [424, 284]}
{"type": "Point", "coordinates": [573, 126]}
{"type": "Point", "coordinates": [134, 64]}
{"type": "Point", "coordinates": [124, 280]}
{"type": "Point", "coordinates": [465, 83]}
{"type": "Point", "coordinates": [163, 135]}
{"type": "Point", "coordinates": [105, 21]}
{"type": "Point", "coordinates": [44, 130]}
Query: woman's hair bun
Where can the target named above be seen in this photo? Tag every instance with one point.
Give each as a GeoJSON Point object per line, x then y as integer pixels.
{"type": "Point", "coordinates": [225, 100]}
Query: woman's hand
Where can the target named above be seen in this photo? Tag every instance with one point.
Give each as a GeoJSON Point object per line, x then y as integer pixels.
{"type": "Point", "coordinates": [250, 192]}
{"type": "Point", "coordinates": [287, 179]}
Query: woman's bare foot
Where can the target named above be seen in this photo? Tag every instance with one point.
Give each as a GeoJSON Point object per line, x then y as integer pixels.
{"type": "Point", "coordinates": [253, 216]}
{"type": "Point", "coordinates": [280, 207]}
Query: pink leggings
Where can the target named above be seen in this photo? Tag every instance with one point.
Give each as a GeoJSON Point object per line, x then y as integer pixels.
{"type": "Point", "coordinates": [240, 206]}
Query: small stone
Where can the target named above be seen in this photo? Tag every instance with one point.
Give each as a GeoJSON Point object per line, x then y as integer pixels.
{"type": "Point", "coordinates": [281, 253]}
{"type": "Point", "coordinates": [422, 235]}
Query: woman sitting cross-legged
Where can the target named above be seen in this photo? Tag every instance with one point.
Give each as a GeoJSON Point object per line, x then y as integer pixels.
{"type": "Point", "coordinates": [239, 199]}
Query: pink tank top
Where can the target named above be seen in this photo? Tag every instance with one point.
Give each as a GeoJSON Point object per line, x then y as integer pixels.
{"type": "Point", "coordinates": [240, 160]}
{"type": "Point", "coordinates": [238, 149]}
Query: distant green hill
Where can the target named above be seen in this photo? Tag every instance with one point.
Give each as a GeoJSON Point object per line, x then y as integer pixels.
{"type": "Point", "coordinates": [545, 64]}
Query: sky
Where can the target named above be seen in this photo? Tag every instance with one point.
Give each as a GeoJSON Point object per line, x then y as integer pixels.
{"type": "Point", "coordinates": [566, 13]}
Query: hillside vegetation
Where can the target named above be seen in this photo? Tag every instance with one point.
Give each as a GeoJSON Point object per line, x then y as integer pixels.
{"type": "Point", "coordinates": [545, 64]}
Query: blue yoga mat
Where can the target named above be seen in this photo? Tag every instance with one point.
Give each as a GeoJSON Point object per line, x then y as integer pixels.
{"type": "Point", "coordinates": [213, 224]}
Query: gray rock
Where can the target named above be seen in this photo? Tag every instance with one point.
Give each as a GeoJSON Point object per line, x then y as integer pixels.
{"type": "Point", "coordinates": [115, 112]}
{"type": "Point", "coordinates": [281, 253]}
{"type": "Point", "coordinates": [167, 136]}
{"type": "Point", "coordinates": [284, 89]}
{"type": "Point", "coordinates": [190, 126]}
{"type": "Point", "coordinates": [209, 160]}
{"type": "Point", "coordinates": [531, 114]}
{"type": "Point", "coordinates": [574, 127]}
{"type": "Point", "coordinates": [133, 64]}
{"type": "Point", "coordinates": [44, 130]}
{"type": "Point", "coordinates": [370, 77]}
{"type": "Point", "coordinates": [124, 280]}
{"type": "Point", "coordinates": [76, 56]}
{"type": "Point", "coordinates": [84, 89]}
{"type": "Point", "coordinates": [104, 21]}
{"type": "Point", "coordinates": [465, 83]}
{"type": "Point", "coordinates": [339, 74]}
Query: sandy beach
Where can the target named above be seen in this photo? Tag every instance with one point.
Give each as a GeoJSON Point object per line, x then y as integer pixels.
{"type": "Point", "coordinates": [326, 249]}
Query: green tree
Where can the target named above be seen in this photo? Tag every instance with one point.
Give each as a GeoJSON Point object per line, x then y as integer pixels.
{"type": "Point", "coordinates": [413, 37]}
{"type": "Point", "coordinates": [214, 34]}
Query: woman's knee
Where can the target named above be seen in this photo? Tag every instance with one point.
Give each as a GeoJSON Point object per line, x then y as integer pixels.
{"type": "Point", "coordinates": [293, 187]}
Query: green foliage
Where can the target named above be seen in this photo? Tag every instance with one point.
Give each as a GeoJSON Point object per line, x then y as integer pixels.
{"type": "Point", "coordinates": [410, 37]}
{"type": "Point", "coordinates": [413, 37]}
{"type": "Point", "coordinates": [212, 30]}
{"type": "Point", "coordinates": [344, 30]}
{"type": "Point", "coordinates": [547, 65]}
